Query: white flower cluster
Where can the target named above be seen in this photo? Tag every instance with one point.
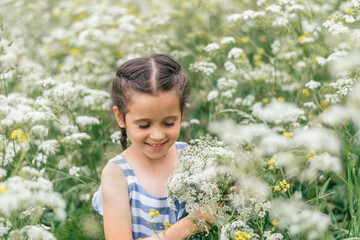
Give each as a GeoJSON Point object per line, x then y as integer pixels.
{"type": "Point", "coordinates": [206, 67]}
{"type": "Point", "coordinates": [278, 112]}
{"type": "Point", "coordinates": [23, 194]}
{"type": "Point", "coordinates": [298, 217]}
{"type": "Point", "coordinates": [199, 180]}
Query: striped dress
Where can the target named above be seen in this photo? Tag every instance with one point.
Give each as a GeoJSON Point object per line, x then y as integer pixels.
{"type": "Point", "coordinates": [141, 203]}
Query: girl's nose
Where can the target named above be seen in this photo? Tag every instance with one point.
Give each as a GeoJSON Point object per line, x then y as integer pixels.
{"type": "Point", "coordinates": [157, 135]}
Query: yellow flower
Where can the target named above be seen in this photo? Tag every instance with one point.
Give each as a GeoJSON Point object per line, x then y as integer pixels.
{"type": "Point", "coordinates": [323, 103]}
{"type": "Point", "coordinates": [260, 51]}
{"type": "Point", "coordinates": [167, 224]}
{"type": "Point", "coordinates": [284, 185]}
{"type": "Point", "coordinates": [242, 54]}
{"type": "Point", "coordinates": [281, 99]}
{"type": "Point", "coordinates": [258, 63]}
{"type": "Point", "coordinates": [3, 189]}
{"type": "Point", "coordinates": [348, 10]}
{"type": "Point", "coordinates": [244, 39]}
{"type": "Point", "coordinates": [306, 92]}
{"type": "Point", "coordinates": [18, 135]}
{"type": "Point", "coordinates": [272, 162]}
{"type": "Point", "coordinates": [288, 134]}
{"type": "Point", "coordinates": [257, 57]}
{"type": "Point", "coordinates": [242, 236]}
{"type": "Point", "coordinates": [64, 42]}
{"type": "Point", "coordinates": [302, 37]}
{"type": "Point", "coordinates": [265, 100]}
{"type": "Point", "coordinates": [74, 51]}
{"type": "Point", "coordinates": [275, 223]}
{"type": "Point", "coordinates": [310, 155]}
{"type": "Point", "coordinates": [154, 213]}
{"type": "Point", "coordinates": [277, 188]}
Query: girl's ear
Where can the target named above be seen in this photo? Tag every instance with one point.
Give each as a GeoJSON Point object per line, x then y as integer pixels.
{"type": "Point", "coordinates": [119, 117]}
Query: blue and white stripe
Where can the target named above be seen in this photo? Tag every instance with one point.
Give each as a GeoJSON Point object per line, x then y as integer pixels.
{"type": "Point", "coordinates": [141, 202]}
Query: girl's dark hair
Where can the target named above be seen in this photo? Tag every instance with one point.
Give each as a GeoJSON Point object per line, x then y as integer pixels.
{"type": "Point", "coordinates": [151, 75]}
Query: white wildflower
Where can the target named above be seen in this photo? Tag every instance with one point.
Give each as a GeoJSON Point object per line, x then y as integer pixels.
{"type": "Point", "coordinates": [336, 115]}
{"type": "Point", "coordinates": [336, 55]}
{"type": "Point", "coordinates": [224, 83]}
{"type": "Point", "coordinates": [229, 66]}
{"type": "Point", "coordinates": [321, 61]}
{"type": "Point", "coordinates": [300, 64]}
{"type": "Point", "coordinates": [227, 40]}
{"type": "Point", "coordinates": [275, 46]}
{"type": "Point", "coordinates": [195, 121]}
{"type": "Point", "coordinates": [278, 112]}
{"type": "Point", "coordinates": [280, 21]}
{"type": "Point", "coordinates": [212, 95]}
{"type": "Point", "coordinates": [74, 171]}
{"type": "Point", "coordinates": [60, 94]}
{"type": "Point", "coordinates": [84, 197]}
{"type": "Point", "coordinates": [23, 194]}
{"type": "Point", "coordinates": [248, 100]}
{"type": "Point", "coordinates": [48, 83]}
{"type": "Point", "coordinates": [211, 47]}
{"type": "Point", "coordinates": [185, 124]}
{"type": "Point", "coordinates": [335, 28]}
{"type": "Point", "coordinates": [312, 84]}
{"type": "Point", "coordinates": [3, 173]}
{"type": "Point", "coordinates": [273, 236]}
{"type": "Point", "coordinates": [235, 52]}
{"type": "Point", "coordinates": [39, 160]}
{"type": "Point", "coordinates": [115, 137]}
{"type": "Point", "coordinates": [207, 67]}
{"type": "Point", "coordinates": [294, 7]}
{"type": "Point", "coordinates": [86, 120]}
{"type": "Point", "coordinates": [349, 19]}
{"type": "Point", "coordinates": [248, 14]}
{"type": "Point", "coordinates": [5, 226]}
{"type": "Point", "coordinates": [274, 8]}
{"type": "Point", "coordinates": [227, 94]}
{"type": "Point", "coordinates": [317, 139]}
{"type": "Point", "coordinates": [49, 146]}
{"type": "Point", "coordinates": [310, 105]}
{"type": "Point", "coordinates": [322, 162]}
{"type": "Point", "coordinates": [297, 217]}
{"type": "Point", "coordinates": [32, 232]}
{"type": "Point", "coordinates": [76, 138]}
{"type": "Point", "coordinates": [39, 131]}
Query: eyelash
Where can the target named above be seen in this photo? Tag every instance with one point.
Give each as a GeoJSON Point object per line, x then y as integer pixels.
{"type": "Point", "coordinates": [146, 126]}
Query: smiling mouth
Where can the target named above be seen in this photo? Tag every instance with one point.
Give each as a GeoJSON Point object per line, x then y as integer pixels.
{"type": "Point", "coordinates": [157, 146]}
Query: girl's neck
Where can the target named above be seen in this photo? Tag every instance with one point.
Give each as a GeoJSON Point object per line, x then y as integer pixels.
{"type": "Point", "coordinates": [135, 157]}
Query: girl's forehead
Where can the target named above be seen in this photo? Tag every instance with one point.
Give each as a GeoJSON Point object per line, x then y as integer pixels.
{"type": "Point", "coordinates": [162, 104]}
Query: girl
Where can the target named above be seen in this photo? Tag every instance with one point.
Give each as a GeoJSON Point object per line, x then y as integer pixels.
{"type": "Point", "coordinates": [149, 96]}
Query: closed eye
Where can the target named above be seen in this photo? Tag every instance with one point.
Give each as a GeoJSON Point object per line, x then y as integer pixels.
{"type": "Point", "coordinates": [169, 124]}
{"type": "Point", "coordinates": [144, 126]}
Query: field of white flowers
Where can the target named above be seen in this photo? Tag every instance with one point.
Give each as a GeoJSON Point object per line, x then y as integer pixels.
{"type": "Point", "coordinates": [277, 81]}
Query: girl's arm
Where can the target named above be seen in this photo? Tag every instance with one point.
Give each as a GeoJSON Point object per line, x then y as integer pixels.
{"type": "Point", "coordinates": [116, 216]}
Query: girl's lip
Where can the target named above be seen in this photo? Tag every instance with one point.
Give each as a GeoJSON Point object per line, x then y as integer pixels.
{"type": "Point", "coordinates": [157, 146]}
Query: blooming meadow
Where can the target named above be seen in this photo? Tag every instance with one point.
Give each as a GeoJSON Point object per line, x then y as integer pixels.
{"type": "Point", "coordinates": [276, 81]}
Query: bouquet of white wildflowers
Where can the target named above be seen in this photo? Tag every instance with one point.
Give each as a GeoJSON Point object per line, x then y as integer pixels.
{"type": "Point", "coordinates": [206, 180]}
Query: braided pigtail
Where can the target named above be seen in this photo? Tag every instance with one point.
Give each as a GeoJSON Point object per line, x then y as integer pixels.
{"type": "Point", "coordinates": [123, 139]}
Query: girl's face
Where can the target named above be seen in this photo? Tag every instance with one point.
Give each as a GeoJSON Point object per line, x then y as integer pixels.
{"type": "Point", "coordinates": [152, 122]}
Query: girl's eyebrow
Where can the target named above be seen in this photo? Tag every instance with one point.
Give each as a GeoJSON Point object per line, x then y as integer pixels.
{"type": "Point", "coordinates": [149, 120]}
